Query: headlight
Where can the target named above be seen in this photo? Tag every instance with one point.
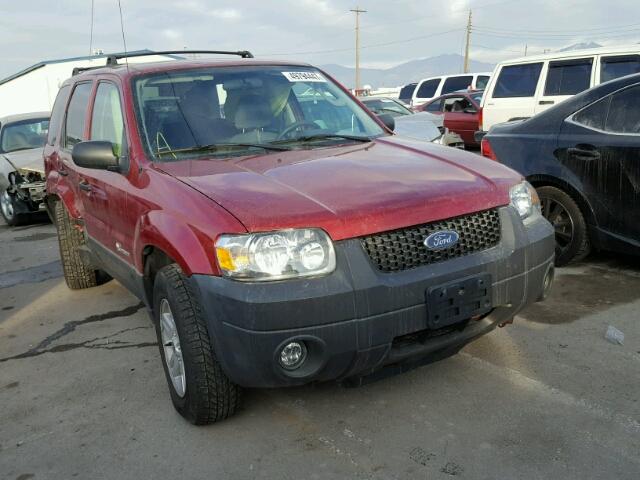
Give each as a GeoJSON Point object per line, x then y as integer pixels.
{"type": "Point", "coordinates": [276, 255]}
{"type": "Point", "coordinates": [524, 199]}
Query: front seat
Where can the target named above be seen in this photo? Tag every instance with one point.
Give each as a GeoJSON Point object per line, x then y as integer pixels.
{"type": "Point", "coordinates": [253, 115]}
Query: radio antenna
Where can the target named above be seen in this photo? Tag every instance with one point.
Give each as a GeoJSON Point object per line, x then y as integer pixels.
{"type": "Point", "coordinates": [91, 34]}
{"type": "Point", "coordinates": [124, 40]}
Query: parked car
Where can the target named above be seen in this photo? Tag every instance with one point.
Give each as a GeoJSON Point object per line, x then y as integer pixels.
{"type": "Point", "coordinates": [433, 87]}
{"type": "Point", "coordinates": [406, 92]}
{"type": "Point", "coordinates": [583, 157]}
{"type": "Point", "coordinates": [461, 112]}
{"type": "Point", "coordinates": [276, 244]}
{"type": "Point", "coordinates": [422, 126]}
{"type": "Point", "coordinates": [526, 86]}
{"type": "Point", "coordinates": [21, 168]}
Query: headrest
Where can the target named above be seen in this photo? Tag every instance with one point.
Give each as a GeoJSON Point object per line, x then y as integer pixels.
{"type": "Point", "coordinates": [252, 112]}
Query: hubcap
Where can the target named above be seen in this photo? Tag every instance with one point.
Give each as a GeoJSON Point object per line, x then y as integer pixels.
{"type": "Point", "coordinates": [7, 205]}
{"type": "Point", "coordinates": [172, 350]}
{"type": "Point", "coordinates": [562, 223]}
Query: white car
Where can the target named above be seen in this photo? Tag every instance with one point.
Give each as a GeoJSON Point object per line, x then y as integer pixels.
{"type": "Point", "coordinates": [435, 86]}
{"type": "Point", "coordinates": [523, 87]}
{"type": "Point", "coordinates": [22, 188]}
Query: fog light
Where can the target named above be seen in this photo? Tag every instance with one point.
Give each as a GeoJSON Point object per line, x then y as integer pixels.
{"type": "Point", "coordinates": [293, 355]}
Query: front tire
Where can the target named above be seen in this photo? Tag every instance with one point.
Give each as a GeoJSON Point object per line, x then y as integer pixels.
{"type": "Point", "coordinates": [10, 209]}
{"type": "Point", "coordinates": [572, 235]}
{"type": "Point", "coordinates": [200, 390]}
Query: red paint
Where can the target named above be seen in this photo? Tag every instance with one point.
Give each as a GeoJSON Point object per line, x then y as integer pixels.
{"type": "Point", "coordinates": [486, 150]}
{"type": "Point", "coordinates": [464, 124]}
{"type": "Point", "coordinates": [349, 191]}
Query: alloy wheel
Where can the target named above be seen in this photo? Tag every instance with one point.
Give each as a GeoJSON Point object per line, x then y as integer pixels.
{"type": "Point", "coordinates": [562, 223]}
{"type": "Point", "coordinates": [7, 205]}
{"type": "Point", "coordinates": [172, 350]}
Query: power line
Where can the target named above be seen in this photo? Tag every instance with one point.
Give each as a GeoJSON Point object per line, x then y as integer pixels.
{"type": "Point", "coordinates": [563, 31]}
{"type": "Point", "coordinates": [489, 33]}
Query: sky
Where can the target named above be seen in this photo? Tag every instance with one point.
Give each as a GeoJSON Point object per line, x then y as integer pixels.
{"type": "Point", "coordinates": [316, 31]}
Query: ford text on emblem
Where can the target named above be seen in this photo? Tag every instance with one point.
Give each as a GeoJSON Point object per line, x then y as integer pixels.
{"type": "Point", "coordinates": [441, 239]}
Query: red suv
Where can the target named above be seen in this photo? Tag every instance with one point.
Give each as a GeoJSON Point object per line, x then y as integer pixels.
{"type": "Point", "coordinates": [277, 231]}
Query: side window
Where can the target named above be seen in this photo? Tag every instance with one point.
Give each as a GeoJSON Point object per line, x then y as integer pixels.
{"type": "Point", "coordinates": [517, 81]}
{"type": "Point", "coordinates": [595, 115]}
{"type": "Point", "coordinates": [434, 106]}
{"type": "Point", "coordinates": [453, 84]}
{"type": "Point", "coordinates": [107, 122]}
{"type": "Point", "coordinates": [57, 113]}
{"type": "Point", "coordinates": [406, 92]}
{"type": "Point", "coordinates": [456, 104]}
{"type": "Point", "coordinates": [624, 111]}
{"type": "Point", "coordinates": [568, 77]}
{"type": "Point", "coordinates": [76, 113]}
{"type": "Point", "coordinates": [428, 89]}
{"type": "Point", "coordinates": [616, 67]}
{"type": "Point", "coordinates": [481, 82]}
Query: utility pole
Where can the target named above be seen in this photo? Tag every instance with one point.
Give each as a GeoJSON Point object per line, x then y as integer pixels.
{"type": "Point", "coordinates": [525, 49]}
{"type": "Point", "coordinates": [466, 48]}
{"type": "Point", "coordinates": [357, 11]}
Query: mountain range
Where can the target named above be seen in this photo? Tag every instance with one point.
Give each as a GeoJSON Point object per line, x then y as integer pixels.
{"type": "Point", "coordinates": [416, 70]}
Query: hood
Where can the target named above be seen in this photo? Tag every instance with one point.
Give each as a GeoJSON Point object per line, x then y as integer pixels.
{"type": "Point", "coordinates": [421, 126]}
{"type": "Point", "coordinates": [30, 159]}
{"type": "Point", "coordinates": [349, 191]}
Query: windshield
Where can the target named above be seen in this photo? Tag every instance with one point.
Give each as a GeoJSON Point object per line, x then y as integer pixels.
{"type": "Point", "coordinates": [24, 135]}
{"type": "Point", "coordinates": [223, 111]}
{"type": "Point", "coordinates": [386, 105]}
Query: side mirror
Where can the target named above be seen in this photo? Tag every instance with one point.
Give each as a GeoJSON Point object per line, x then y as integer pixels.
{"type": "Point", "coordinates": [95, 154]}
{"type": "Point", "coordinates": [388, 121]}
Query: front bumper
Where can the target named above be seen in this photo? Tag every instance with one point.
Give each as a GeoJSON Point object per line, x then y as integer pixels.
{"type": "Point", "coordinates": [358, 319]}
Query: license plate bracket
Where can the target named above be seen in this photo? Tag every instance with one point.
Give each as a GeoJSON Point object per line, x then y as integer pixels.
{"type": "Point", "coordinates": [458, 300]}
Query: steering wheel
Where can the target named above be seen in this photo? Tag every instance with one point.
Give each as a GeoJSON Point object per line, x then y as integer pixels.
{"type": "Point", "coordinates": [295, 126]}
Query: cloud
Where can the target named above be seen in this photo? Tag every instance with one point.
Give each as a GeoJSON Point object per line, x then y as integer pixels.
{"type": "Point", "coordinates": [225, 13]}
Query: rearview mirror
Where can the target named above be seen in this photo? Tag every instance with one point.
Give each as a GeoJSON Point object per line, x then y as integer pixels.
{"type": "Point", "coordinates": [95, 154]}
{"type": "Point", "coordinates": [388, 121]}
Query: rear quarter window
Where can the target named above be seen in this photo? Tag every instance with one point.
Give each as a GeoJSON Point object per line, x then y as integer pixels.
{"type": "Point", "coordinates": [482, 81]}
{"type": "Point", "coordinates": [624, 112]}
{"type": "Point", "coordinates": [595, 115]}
{"type": "Point", "coordinates": [568, 77]}
{"type": "Point", "coordinates": [517, 81]}
{"type": "Point", "coordinates": [618, 66]}
{"type": "Point", "coordinates": [57, 113]}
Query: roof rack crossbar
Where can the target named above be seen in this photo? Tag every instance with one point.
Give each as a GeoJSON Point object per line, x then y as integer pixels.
{"type": "Point", "coordinates": [113, 59]}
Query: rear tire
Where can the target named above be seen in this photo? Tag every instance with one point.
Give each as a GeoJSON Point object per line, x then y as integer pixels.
{"type": "Point", "coordinates": [572, 235]}
{"type": "Point", "coordinates": [76, 273]}
{"type": "Point", "coordinates": [200, 390]}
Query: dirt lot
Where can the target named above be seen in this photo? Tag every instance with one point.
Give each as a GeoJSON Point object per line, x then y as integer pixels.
{"type": "Point", "coordinates": [83, 394]}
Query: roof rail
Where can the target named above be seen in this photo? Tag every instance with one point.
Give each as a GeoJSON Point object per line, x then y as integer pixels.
{"type": "Point", "coordinates": [113, 59]}
{"type": "Point", "coordinates": [79, 70]}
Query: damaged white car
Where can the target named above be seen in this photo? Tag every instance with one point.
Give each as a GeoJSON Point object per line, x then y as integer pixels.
{"type": "Point", "coordinates": [22, 138]}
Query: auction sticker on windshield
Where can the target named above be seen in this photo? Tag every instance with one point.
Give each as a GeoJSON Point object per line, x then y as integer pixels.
{"type": "Point", "coordinates": [304, 77]}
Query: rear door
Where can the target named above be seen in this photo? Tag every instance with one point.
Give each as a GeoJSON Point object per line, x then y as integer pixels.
{"type": "Point", "coordinates": [563, 79]}
{"type": "Point", "coordinates": [601, 146]}
{"type": "Point", "coordinates": [73, 132]}
{"type": "Point", "coordinates": [512, 94]}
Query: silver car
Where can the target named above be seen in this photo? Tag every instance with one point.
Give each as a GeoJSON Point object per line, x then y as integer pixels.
{"type": "Point", "coordinates": [420, 125]}
{"type": "Point", "coordinates": [22, 138]}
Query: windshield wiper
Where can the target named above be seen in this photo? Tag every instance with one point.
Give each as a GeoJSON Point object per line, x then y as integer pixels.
{"type": "Point", "coordinates": [322, 136]}
{"type": "Point", "coordinates": [221, 146]}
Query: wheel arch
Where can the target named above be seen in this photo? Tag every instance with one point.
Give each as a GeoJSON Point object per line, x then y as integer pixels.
{"type": "Point", "coordinates": [550, 181]}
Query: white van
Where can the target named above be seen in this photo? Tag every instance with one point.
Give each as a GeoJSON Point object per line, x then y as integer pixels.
{"type": "Point", "coordinates": [523, 87]}
{"type": "Point", "coordinates": [433, 87]}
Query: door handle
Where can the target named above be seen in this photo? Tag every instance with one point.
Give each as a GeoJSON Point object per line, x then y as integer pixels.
{"type": "Point", "coordinates": [546, 102]}
{"type": "Point", "coordinates": [84, 186]}
{"type": "Point", "coordinates": [584, 152]}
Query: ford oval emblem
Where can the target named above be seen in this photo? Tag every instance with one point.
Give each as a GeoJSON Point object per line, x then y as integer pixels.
{"type": "Point", "coordinates": [441, 239]}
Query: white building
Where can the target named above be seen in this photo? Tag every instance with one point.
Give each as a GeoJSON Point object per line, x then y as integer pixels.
{"type": "Point", "coordinates": [34, 89]}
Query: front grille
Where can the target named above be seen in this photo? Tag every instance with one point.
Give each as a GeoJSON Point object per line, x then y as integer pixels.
{"type": "Point", "coordinates": [404, 249]}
